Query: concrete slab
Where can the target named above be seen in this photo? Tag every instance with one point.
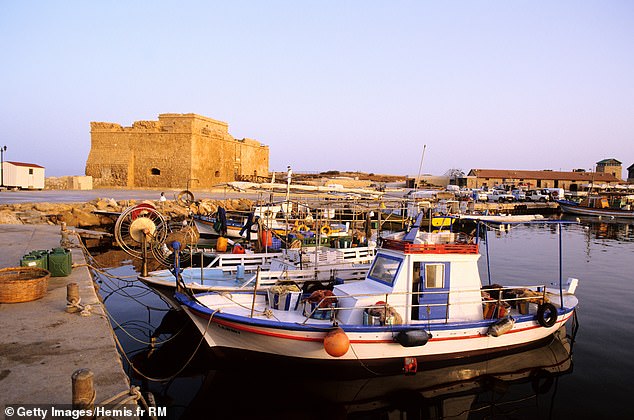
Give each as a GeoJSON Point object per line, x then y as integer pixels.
{"type": "Point", "coordinates": [41, 345]}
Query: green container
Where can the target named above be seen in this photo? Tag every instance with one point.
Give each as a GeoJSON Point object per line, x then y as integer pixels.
{"type": "Point", "coordinates": [60, 262]}
{"type": "Point", "coordinates": [41, 253]}
{"type": "Point", "coordinates": [33, 261]}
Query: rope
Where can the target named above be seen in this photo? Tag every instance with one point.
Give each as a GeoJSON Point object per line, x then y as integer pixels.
{"type": "Point", "coordinates": [120, 326]}
{"type": "Point", "coordinates": [169, 378]}
{"type": "Point", "coordinates": [126, 397]}
{"type": "Point", "coordinates": [74, 307]}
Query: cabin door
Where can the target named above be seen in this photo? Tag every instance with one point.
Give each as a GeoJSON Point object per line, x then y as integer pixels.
{"type": "Point", "coordinates": [434, 288]}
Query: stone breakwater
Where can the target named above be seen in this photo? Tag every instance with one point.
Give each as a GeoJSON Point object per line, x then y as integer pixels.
{"type": "Point", "coordinates": [83, 215]}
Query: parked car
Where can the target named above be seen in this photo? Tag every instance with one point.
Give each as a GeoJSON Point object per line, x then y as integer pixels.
{"type": "Point", "coordinates": [538, 195]}
{"type": "Point", "coordinates": [500, 196]}
{"type": "Point", "coordinates": [479, 195]}
{"type": "Point", "coordinates": [519, 195]}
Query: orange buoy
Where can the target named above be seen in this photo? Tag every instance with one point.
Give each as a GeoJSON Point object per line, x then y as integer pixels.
{"type": "Point", "coordinates": [336, 342]}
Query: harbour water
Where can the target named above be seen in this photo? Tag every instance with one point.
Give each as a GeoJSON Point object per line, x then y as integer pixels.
{"type": "Point", "coordinates": [593, 379]}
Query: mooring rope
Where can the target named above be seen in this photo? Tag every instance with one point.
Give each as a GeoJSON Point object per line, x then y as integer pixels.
{"type": "Point", "coordinates": [169, 378]}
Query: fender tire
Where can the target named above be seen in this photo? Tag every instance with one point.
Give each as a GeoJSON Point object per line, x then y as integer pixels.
{"type": "Point", "coordinates": [547, 315]}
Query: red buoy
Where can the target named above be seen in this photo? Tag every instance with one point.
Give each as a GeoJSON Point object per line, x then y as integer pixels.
{"type": "Point", "coordinates": [336, 342]}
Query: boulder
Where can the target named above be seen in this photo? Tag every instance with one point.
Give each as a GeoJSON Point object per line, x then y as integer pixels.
{"type": "Point", "coordinates": [7, 217]}
{"type": "Point", "coordinates": [85, 218]}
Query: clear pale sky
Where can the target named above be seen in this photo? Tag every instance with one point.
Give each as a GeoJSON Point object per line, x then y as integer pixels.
{"type": "Point", "coordinates": [345, 85]}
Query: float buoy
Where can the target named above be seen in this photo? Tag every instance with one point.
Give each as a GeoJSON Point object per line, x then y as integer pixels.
{"type": "Point", "coordinates": [238, 249]}
{"type": "Point", "coordinates": [325, 230]}
{"type": "Point", "coordinates": [547, 315]}
{"type": "Point", "coordinates": [336, 342]}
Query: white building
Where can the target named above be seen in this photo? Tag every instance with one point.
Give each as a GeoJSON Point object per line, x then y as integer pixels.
{"type": "Point", "coordinates": [27, 176]}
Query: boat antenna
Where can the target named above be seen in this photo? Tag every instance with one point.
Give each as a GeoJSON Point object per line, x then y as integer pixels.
{"type": "Point", "coordinates": [420, 168]}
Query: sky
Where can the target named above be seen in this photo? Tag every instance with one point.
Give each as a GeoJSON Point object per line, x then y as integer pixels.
{"type": "Point", "coordinates": [329, 85]}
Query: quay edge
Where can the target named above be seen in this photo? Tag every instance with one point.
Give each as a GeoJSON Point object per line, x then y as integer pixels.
{"type": "Point", "coordinates": [42, 345]}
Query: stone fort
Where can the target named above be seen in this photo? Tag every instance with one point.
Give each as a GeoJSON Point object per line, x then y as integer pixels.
{"type": "Point", "coordinates": [177, 151]}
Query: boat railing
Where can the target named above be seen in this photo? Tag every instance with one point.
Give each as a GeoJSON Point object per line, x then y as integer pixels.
{"type": "Point", "coordinates": [509, 296]}
{"type": "Point", "coordinates": [299, 277]}
{"type": "Point", "coordinates": [411, 248]}
{"type": "Point", "coordinates": [246, 260]}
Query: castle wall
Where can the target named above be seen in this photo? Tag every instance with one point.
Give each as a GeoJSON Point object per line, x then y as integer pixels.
{"type": "Point", "coordinates": [177, 151]}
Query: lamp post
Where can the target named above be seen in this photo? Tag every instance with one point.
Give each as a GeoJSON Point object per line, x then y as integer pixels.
{"type": "Point", "coordinates": [2, 150]}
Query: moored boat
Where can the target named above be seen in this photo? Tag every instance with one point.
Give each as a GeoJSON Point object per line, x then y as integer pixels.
{"type": "Point", "coordinates": [235, 272]}
{"type": "Point", "coordinates": [422, 300]}
{"type": "Point", "coordinates": [600, 206]}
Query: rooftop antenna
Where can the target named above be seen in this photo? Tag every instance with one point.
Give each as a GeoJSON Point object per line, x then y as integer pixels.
{"type": "Point", "coordinates": [420, 168]}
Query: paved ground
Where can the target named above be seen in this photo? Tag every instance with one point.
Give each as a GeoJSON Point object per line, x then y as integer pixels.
{"type": "Point", "coordinates": [41, 345]}
{"type": "Point", "coordinates": [82, 196]}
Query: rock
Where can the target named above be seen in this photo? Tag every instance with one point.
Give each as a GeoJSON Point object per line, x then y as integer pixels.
{"type": "Point", "coordinates": [45, 207]}
{"type": "Point", "coordinates": [85, 219]}
{"type": "Point", "coordinates": [7, 217]}
{"type": "Point", "coordinates": [206, 207]}
{"type": "Point", "coordinates": [68, 218]}
{"type": "Point", "coordinates": [102, 204]}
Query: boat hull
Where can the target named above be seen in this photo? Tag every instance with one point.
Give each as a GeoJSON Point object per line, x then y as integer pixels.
{"type": "Point", "coordinates": [588, 211]}
{"type": "Point", "coordinates": [205, 226]}
{"type": "Point", "coordinates": [368, 344]}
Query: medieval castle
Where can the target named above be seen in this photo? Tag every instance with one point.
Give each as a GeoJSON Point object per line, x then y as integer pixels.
{"type": "Point", "coordinates": [176, 151]}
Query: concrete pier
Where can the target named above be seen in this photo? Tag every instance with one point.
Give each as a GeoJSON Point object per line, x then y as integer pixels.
{"type": "Point", "coordinates": [41, 345]}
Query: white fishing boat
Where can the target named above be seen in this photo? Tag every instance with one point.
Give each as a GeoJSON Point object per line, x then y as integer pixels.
{"type": "Point", "coordinates": [422, 300]}
{"type": "Point", "coordinates": [227, 272]}
{"type": "Point", "coordinates": [458, 390]}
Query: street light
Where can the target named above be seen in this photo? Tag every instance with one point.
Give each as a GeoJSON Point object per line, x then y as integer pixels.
{"type": "Point", "coordinates": [2, 150]}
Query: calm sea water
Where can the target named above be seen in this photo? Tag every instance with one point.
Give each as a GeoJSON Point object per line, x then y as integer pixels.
{"type": "Point", "coordinates": [594, 382]}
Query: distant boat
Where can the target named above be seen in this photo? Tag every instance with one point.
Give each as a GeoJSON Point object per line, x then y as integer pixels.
{"type": "Point", "coordinates": [209, 227]}
{"type": "Point", "coordinates": [600, 206]}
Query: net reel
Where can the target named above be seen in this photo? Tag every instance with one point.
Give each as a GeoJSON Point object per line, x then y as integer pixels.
{"type": "Point", "coordinates": [142, 230]}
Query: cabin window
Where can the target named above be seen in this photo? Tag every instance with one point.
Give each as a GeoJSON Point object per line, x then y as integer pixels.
{"type": "Point", "coordinates": [155, 171]}
{"type": "Point", "coordinates": [434, 276]}
{"type": "Point", "coordinates": [30, 171]}
{"type": "Point", "coordinates": [384, 269]}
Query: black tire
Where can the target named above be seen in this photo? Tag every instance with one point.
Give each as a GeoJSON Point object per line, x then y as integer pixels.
{"type": "Point", "coordinates": [547, 315]}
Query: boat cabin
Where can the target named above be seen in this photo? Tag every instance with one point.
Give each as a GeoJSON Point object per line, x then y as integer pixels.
{"type": "Point", "coordinates": [432, 279]}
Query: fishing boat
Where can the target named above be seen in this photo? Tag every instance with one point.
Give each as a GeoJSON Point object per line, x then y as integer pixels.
{"type": "Point", "coordinates": [422, 300]}
{"type": "Point", "coordinates": [621, 207]}
{"type": "Point", "coordinates": [451, 390]}
{"type": "Point", "coordinates": [235, 272]}
{"type": "Point", "coordinates": [210, 227]}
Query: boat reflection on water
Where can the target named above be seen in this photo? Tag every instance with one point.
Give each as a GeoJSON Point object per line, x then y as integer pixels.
{"type": "Point", "coordinates": [521, 383]}
{"type": "Point", "coordinates": [606, 228]}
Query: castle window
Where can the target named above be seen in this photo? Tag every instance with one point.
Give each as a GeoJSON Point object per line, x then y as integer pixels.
{"type": "Point", "coordinates": [155, 171]}
{"type": "Point", "coordinates": [217, 174]}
